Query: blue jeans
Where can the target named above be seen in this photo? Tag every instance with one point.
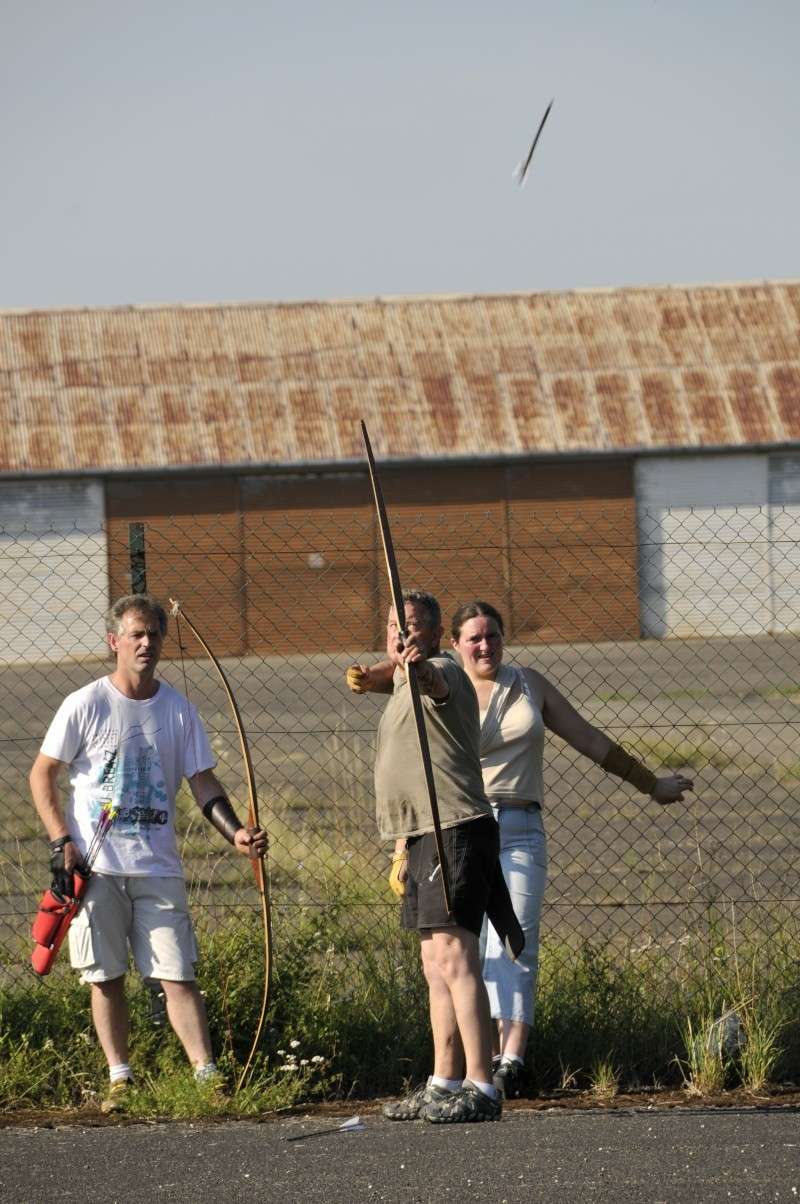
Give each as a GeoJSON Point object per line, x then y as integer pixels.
{"type": "Point", "coordinates": [523, 855]}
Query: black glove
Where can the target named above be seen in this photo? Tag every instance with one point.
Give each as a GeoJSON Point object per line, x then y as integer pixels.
{"type": "Point", "coordinates": [61, 883]}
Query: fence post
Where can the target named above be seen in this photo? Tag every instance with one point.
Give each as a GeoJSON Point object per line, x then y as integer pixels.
{"type": "Point", "coordinates": [136, 548]}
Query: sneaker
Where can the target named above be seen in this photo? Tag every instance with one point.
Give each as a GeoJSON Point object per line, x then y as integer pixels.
{"type": "Point", "coordinates": [466, 1106]}
{"type": "Point", "coordinates": [118, 1097]}
{"type": "Point", "coordinates": [508, 1078]}
{"type": "Point", "coordinates": [414, 1105]}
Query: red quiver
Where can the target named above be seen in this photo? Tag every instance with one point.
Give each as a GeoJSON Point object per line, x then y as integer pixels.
{"type": "Point", "coordinates": [53, 918]}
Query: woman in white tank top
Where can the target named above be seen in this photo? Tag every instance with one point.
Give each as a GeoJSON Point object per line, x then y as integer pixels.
{"type": "Point", "coordinates": [516, 705]}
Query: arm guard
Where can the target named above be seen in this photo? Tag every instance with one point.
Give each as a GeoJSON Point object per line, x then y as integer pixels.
{"type": "Point", "coordinates": [221, 814]}
{"type": "Point", "coordinates": [624, 766]}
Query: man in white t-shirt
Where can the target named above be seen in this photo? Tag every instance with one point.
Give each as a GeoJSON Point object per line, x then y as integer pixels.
{"type": "Point", "coordinates": [129, 739]}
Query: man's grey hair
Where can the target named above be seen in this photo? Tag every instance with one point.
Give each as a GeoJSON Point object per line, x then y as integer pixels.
{"type": "Point", "coordinates": [433, 611]}
{"type": "Point", "coordinates": [143, 603]}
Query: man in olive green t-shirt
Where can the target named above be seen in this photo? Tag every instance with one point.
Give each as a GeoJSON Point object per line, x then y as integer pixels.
{"type": "Point", "coordinates": [459, 1007]}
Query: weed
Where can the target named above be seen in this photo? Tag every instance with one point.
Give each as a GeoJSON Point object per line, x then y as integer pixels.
{"type": "Point", "coordinates": [760, 1050]}
{"type": "Point", "coordinates": [569, 1077]}
{"type": "Point", "coordinates": [604, 1078]}
{"type": "Point", "coordinates": [704, 1065]}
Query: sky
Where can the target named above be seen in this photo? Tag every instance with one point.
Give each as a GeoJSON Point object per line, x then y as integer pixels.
{"type": "Point", "coordinates": [190, 152]}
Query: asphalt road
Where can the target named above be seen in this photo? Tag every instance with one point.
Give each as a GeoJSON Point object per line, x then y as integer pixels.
{"type": "Point", "coordinates": [699, 1156]}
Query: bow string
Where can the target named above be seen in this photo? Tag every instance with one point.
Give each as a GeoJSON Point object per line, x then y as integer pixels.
{"type": "Point", "coordinates": [253, 821]}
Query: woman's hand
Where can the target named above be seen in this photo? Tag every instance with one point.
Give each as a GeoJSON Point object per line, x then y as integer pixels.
{"type": "Point", "coordinates": [252, 842]}
{"type": "Point", "coordinates": [671, 789]}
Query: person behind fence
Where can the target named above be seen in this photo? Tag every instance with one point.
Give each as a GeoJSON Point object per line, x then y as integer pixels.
{"type": "Point", "coordinates": [516, 705]}
{"type": "Point", "coordinates": [459, 1007]}
{"type": "Point", "coordinates": [128, 740]}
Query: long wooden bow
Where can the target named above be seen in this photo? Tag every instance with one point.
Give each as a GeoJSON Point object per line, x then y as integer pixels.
{"type": "Point", "coordinates": [253, 821]}
{"type": "Point", "coordinates": [411, 669]}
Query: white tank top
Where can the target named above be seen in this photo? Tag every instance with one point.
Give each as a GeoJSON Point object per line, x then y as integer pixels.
{"type": "Point", "coordinates": [512, 740]}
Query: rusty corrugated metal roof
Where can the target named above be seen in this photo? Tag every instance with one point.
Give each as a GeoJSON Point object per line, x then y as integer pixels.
{"type": "Point", "coordinates": [263, 384]}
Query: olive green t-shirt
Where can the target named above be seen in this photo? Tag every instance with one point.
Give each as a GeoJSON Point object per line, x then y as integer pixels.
{"type": "Point", "coordinates": [453, 727]}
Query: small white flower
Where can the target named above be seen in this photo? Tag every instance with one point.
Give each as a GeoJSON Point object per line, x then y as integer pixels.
{"type": "Point", "coordinates": [317, 1058]}
{"type": "Point", "coordinates": [294, 1044]}
{"type": "Point", "coordinates": [282, 1053]}
{"type": "Point", "coordinates": [304, 1061]}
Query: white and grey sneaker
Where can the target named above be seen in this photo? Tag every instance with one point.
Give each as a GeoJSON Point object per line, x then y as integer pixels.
{"type": "Point", "coordinates": [467, 1106]}
{"type": "Point", "coordinates": [413, 1105]}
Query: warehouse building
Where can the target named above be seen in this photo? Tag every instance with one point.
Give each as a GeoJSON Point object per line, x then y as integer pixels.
{"type": "Point", "coordinates": [607, 464]}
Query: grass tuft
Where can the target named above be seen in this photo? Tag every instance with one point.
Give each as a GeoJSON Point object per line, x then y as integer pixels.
{"type": "Point", "coordinates": [704, 1064]}
{"type": "Point", "coordinates": [604, 1078]}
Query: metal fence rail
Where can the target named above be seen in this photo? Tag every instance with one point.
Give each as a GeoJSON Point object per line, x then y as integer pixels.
{"type": "Point", "coordinates": [722, 704]}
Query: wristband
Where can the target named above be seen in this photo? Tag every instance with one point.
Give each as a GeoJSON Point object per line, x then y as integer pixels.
{"type": "Point", "coordinates": [221, 814]}
{"type": "Point", "coordinates": [60, 842]}
{"type": "Point", "coordinates": [623, 765]}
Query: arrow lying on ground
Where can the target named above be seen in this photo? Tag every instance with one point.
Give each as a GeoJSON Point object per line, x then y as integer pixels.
{"type": "Point", "coordinates": [348, 1126]}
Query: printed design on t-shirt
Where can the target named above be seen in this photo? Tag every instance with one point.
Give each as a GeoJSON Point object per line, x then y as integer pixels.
{"type": "Point", "coordinates": [131, 778]}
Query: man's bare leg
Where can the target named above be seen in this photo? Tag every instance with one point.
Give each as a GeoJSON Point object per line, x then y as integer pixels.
{"type": "Point", "coordinates": [455, 954]}
{"type": "Point", "coordinates": [111, 1019]}
{"type": "Point", "coordinates": [447, 1047]}
{"type": "Point", "coordinates": [187, 1015]}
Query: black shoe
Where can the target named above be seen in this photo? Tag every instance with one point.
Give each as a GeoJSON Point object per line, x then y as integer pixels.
{"type": "Point", "coordinates": [414, 1105]}
{"type": "Point", "coordinates": [466, 1106]}
{"type": "Point", "coordinates": [508, 1079]}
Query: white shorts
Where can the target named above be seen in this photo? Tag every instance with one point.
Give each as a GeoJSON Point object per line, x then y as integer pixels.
{"type": "Point", "coordinates": [149, 914]}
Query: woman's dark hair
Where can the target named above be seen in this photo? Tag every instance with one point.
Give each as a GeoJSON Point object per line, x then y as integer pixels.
{"type": "Point", "coordinates": [474, 610]}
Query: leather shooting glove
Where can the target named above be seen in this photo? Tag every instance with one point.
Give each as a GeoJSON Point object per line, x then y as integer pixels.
{"type": "Point", "coordinates": [398, 874]}
{"type": "Point", "coordinates": [358, 679]}
{"type": "Point", "coordinates": [61, 881]}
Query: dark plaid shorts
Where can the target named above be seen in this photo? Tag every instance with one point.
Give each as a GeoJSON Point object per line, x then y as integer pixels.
{"type": "Point", "coordinates": [471, 851]}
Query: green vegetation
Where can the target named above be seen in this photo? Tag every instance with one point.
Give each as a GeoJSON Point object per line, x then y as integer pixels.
{"type": "Point", "coordinates": [787, 689]}
{"type": "Point", "coordinates": [683, 695]}
{"type": "Point", "coordinates": [347, 1016]}
{"type": "Point", "coordinates": [683, 754]}
{"type": "Point", "coordinates": [604, 1078]}
{"type": "Point", "coordinates": [348, 1019]}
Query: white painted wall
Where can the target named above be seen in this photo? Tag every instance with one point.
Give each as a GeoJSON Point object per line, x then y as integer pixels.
{"type": "Point", "coordinates": [784, 530]}
{"type": "Point", "coordinates": [53, 570]}
{"type": "Point", "coordinates": [704, 557]}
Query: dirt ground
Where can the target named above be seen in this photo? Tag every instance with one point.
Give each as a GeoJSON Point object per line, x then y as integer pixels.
{"type": "Point", "coordinates": [779, 1097]}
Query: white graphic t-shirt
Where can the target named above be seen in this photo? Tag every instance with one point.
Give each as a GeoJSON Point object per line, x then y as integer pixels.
{"type": "Point", "coordinates": [134, 755]}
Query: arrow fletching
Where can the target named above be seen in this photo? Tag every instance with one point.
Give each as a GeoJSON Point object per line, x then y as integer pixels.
{"type": "Point", "coordinates": [353, 1125]}
{"type": "Point", "coordinates": [355, 1122]}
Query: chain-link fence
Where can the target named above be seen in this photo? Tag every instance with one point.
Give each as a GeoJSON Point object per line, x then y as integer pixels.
{"type": "Point", "coordinates": [298, 599]}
